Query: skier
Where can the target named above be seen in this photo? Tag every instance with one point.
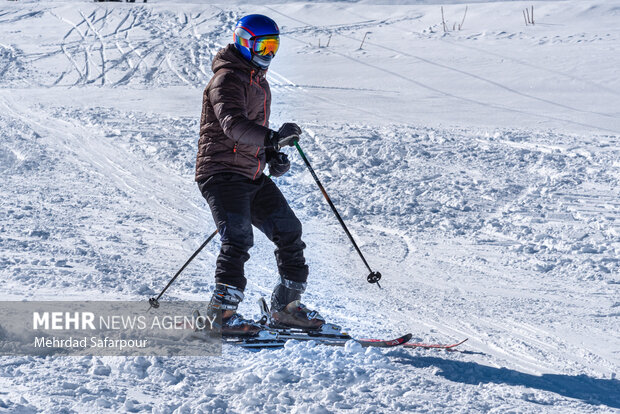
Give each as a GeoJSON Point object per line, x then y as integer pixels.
{"type": "Point", "coordinates": [234, 146]}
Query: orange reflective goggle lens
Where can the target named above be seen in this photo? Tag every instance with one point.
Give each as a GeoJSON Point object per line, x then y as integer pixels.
{"type": "Point", "coordinates": [266, 45]}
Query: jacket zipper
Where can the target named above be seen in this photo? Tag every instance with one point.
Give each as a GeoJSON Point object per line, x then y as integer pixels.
{"type": "Point", "coordinates": [264, 122]}
{"type": "Point", "coordinates": [264, 95]}
{"type": "Point", "coordinates": [264, 103]}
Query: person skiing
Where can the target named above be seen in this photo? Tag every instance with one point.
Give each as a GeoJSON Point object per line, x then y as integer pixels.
{"type": "Point", "coordinates": [234, 147]}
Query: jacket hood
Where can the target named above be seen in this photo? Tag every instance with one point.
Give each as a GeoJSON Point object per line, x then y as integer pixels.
{"type": "Point", "coordinates": [230, 58]}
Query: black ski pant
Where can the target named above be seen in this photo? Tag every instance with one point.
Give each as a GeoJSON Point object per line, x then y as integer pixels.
{"type": "Point", "coordinates": [237, 203]}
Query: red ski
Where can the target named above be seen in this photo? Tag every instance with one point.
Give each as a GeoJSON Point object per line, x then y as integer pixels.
{"type": "Point", "coordinates": [383, 343]}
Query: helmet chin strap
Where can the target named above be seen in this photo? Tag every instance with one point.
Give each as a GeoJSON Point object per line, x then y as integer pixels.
{"type": "Point", "coordinates": [262, 61]}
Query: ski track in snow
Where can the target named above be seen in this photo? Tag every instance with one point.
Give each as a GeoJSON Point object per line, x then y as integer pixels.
{"type": "Point", "coordinates": [505, 230]}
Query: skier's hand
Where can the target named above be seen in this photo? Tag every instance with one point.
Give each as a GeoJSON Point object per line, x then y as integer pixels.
{"type": "Point", "coordinates": [288, 133]}
{"type": "Point", "coordinates": [279, 165]}
{"type": "Point", "coordinates": [286, 136]}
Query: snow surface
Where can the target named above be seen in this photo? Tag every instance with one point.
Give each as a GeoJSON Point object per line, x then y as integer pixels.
{"type": "Point", "coordinates": [478, 169]}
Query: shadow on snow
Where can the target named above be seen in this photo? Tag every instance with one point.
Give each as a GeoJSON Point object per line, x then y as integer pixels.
{"type": "Point", "coordinates": [590, 390]}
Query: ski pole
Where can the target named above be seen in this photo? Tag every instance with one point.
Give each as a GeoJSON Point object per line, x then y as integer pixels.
{"type": "Point", "coordinates": [373, 277]}
{"type": "Point", "coordinates": [154, 302]}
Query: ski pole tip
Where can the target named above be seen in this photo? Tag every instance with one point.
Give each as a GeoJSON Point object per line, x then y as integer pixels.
{"type": "Point", "coordinates": [374, 277]}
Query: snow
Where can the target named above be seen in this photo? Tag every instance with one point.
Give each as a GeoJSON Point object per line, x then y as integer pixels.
{"type": "Point", "coordinates": [478, 170]}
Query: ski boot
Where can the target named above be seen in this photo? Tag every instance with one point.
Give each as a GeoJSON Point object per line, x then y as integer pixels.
{"type": "Point", "coordinates": [225, 299]}
{"type": "Point", "coordinates": [287, 311]}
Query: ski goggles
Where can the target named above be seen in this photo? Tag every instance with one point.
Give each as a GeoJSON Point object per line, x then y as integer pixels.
{"type": "Point", "coordinates": [266, 45]}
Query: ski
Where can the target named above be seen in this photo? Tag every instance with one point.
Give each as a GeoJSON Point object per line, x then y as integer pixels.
{"type": "Point", "coordinates": [329, 334]}
{"type": "Point", "coordinates": [278, 339]}
{"type": "Point", "coordinates": [433, 346]}
{"type": "Point", "coordinates": [382, 343]}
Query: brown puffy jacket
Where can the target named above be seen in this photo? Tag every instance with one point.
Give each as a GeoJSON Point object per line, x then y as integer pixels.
{"type": "Point", "coordinates": [235, 118]}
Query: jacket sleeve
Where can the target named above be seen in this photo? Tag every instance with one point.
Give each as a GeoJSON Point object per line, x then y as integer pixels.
{"type": "Point", "coordinates": [227, 96]}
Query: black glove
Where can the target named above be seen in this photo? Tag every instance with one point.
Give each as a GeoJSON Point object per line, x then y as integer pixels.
{"type": "Point", "coordinates": [286, 136]}
{"type": "Point", "coordinates": [279, 165]}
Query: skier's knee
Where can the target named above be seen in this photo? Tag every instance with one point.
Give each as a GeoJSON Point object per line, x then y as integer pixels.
{"type": "Point", "coordinates": [237, 234]}
{"type": "Point", "coordinates": [289, 235]}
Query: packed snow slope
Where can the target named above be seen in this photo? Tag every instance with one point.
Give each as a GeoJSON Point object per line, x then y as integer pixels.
{"type": "Point", "coordinates": [479, 170]}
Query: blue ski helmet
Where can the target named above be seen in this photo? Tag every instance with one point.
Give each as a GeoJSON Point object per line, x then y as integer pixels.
{"type": "Point", "coordinates": [257, 37]}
